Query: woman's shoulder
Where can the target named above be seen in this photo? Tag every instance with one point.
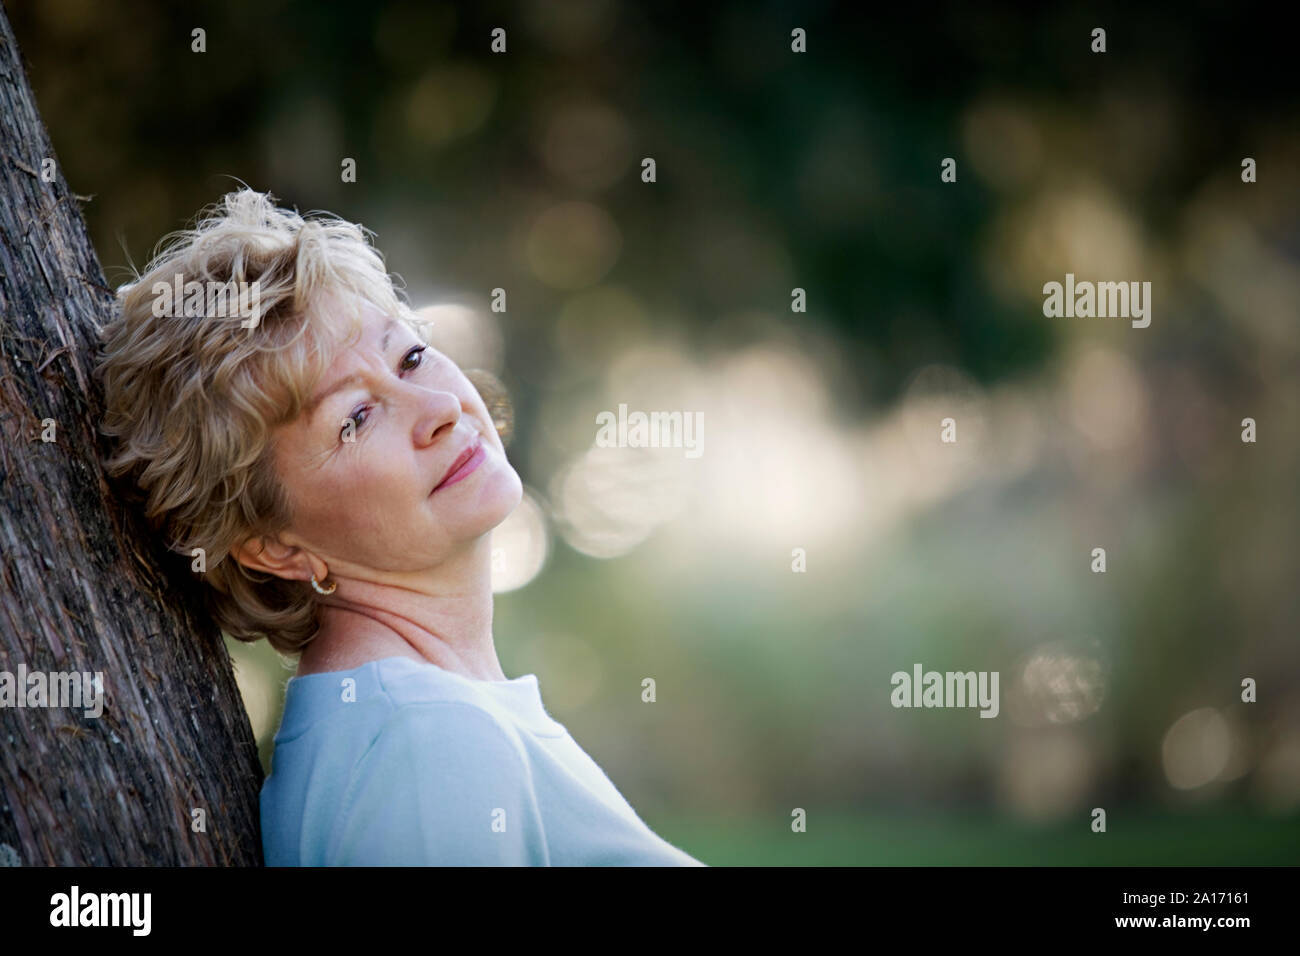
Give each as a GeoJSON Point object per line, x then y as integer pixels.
{"type": "Point", "coordinates": [328, 707]}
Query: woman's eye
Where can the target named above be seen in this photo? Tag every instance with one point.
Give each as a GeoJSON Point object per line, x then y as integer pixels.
{"type": "Point", "coordinates": [415, 353]}
{"type": "Point", "coordinates": [355, 421]}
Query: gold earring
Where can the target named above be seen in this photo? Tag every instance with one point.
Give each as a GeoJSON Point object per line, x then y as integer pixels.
{"type": "Point", "coordinates": [320, 590]}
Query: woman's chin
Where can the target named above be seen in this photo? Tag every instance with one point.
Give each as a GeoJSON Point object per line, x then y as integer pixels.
{"type": "Point", "coordinates": [512, 493]}
{"type": "Point", "coordinates": [495, 500]}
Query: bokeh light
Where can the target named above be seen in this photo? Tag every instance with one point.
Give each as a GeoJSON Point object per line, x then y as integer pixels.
{"type": "Point", "coordinates": [1055, 685]}
{"type": "Point", "coordinates": [1196, 749]}
{"type": "Point", "coordinates": [520, 545]}
{"type": "Point", "coordinates": [572, 245]}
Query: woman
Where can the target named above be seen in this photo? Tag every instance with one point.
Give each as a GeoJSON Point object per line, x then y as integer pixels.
{"type": "Point", "coordinates": [337, 480]}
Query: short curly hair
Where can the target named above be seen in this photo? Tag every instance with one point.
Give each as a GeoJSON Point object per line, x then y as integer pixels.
{"type": "Point", "coordinates": [192, 400]}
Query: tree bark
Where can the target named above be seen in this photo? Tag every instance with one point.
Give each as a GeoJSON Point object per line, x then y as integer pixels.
{"type": "Point", "coordinates": [82, 583]}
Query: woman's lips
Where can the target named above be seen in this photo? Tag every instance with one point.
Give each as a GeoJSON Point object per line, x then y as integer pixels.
{"type": "Point", "coordinates": [463, 466]}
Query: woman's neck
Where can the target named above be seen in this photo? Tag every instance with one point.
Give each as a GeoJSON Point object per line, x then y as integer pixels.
{"type": "Point", "coordinates": [443, 617]}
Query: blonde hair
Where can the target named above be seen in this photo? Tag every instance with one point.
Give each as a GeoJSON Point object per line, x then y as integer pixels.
{"type": "Point", "coordinates": [192, 400]}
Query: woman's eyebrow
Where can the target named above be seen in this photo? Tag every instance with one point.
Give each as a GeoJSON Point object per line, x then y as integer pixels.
{"type": "Point", "coordinates": [314, 405]}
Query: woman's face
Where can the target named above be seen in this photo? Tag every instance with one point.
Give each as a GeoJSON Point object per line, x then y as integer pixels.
{"type": "Point", "coordinates": [364, 468]}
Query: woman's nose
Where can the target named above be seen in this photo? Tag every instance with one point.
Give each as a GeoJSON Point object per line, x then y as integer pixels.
{"type": "Point", "coordinates": [439, 411]}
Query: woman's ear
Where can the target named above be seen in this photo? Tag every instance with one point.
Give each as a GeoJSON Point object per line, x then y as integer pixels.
{"type": "Point", "coordinates": [272, 556]}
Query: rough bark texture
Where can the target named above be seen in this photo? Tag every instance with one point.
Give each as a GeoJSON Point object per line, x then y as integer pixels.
{"type": "Point", "coordinates": [82, 585]}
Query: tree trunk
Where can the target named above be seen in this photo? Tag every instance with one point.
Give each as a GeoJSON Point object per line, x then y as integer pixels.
{"type": "Point", "coordinates": [82, 585]}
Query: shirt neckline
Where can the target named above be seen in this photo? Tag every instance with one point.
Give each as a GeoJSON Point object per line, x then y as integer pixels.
{"type": "Point", "coordinates": [520, 696]}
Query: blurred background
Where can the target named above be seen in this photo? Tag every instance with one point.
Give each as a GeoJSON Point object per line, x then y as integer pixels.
{"type": "Point", "coordinates": [820, 171]}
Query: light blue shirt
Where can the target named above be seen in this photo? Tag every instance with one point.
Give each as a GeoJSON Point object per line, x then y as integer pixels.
{"type": "Point", "coordinates": [401, 763]}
